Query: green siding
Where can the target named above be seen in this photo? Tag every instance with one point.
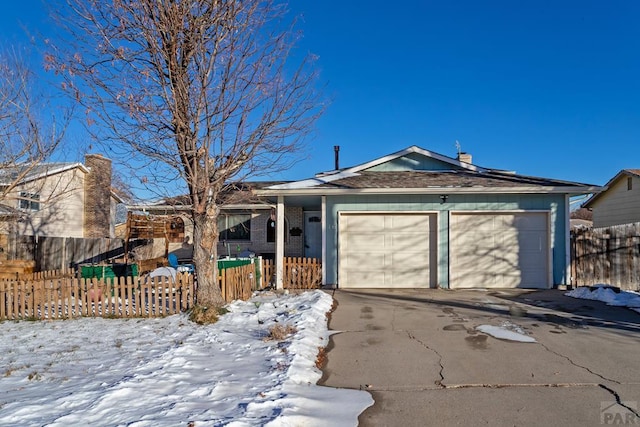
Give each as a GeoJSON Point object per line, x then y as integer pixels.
{"type": "Point", "coordinates": [554, 203]}
{"type": "Point", "coordinates": [413, 161]}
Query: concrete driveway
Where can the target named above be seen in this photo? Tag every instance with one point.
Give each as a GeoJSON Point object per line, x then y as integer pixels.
{"type": "Point", "coordinates": [419, 354]}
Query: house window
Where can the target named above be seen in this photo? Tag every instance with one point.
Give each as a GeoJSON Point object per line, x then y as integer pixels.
{"type": "Point", "coordinates": [234, 226]}
{"type": "Point", "coordinates": [271, 230]}
{"type": "Point", "coordinates": [629, 183]}
{"type": "Point", "coordinates": [29, 201]}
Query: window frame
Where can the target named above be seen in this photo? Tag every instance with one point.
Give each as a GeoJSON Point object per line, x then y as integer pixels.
{"type": "Point", "coordinates": [29, 201]}
{"type": "Point", "coordinates": [223, 227]}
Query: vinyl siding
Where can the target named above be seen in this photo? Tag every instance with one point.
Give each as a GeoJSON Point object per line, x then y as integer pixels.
{"type": "Point", "coordinates": [412, 162]}
{"type": "Point", "coordinates": [618, 205]}
{"type": "Point", "coordinates": [61, 211]}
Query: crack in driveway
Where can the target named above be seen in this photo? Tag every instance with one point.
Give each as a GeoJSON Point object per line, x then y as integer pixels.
{"type": "Point", "coordinates": [372, 387]}
{"type": "Point", "coordinates": [437, 382]}
{"type": "Point", "coordinates": [578, 365]}
{"type": "Point", "coordinates": [619, 401]}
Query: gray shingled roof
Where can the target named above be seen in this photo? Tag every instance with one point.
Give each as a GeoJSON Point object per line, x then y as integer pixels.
{"type": "Point", "coordinates": [8, 175]}
{"type": "Point", "coordinates": [440, 179]}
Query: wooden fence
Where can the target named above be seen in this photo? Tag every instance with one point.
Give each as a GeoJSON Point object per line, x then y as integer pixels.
{"type": "Point", "coordinates": [62, 253]}
{"type": "Point", "coordinates": [608, 255]}
{"type": "Point", "coordinates": [13, 269]}
{"type": "Point", "coordinates": [298, 273]}
{"type": "Point", "coordinates": [51, 295]}
{"type": "Point", "coordinates": [66, 298]}
{"type": "Point", "coordinates": [237, 282]}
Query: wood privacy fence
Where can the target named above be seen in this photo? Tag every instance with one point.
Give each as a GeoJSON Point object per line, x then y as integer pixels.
{"type": "Point", "coordinates": [298, 273]}
{"type": "Point", "coordinates": [67, 298]}
{"type": "Point", "coordinates": [608, 255]}
{"type": "Point", "coordinates": [13, 269]}
{"type": "Point", "coordinates": [62, 253]}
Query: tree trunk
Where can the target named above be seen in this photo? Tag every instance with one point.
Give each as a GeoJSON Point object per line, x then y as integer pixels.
{"type": "Point", "coordinates": [205, 255]}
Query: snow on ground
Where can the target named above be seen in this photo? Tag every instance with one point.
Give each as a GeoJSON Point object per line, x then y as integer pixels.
{"type": "Point", "coordinates": [605, 294]}
{"type": "Point", "coordinates": [171, 372]}
{"type": "Point", "coordinates": [506, 331]}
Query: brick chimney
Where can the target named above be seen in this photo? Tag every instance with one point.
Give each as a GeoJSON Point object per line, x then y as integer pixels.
{"type": "Point", "coordinates": [464, 157]}
{"type": "Point", "coordinates": [97, 196]}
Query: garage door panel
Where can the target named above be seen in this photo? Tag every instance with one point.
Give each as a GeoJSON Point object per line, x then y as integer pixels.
{"type": "Point", "coordinates": [531, 222]}
{"type": "Point", "coordinates": [499, 250]}
{"type": "Point", "coordinates": [373, 260]}
{"type": "Point", "coordinates": [410, 263]}
{"type": "Point", "coordinates": [367, 241]}
{"type": "Point", "coordinates": [471, 222]}
{"type": "Point", "coordinates": [364, 223]}
{"type": "Point", "coordinates": [362, 279]}
{"type": "Point", "coordinates": [532, 241]}
{"type": "Point", "coordinates": [412, 278]}
{"type": "Point", "coordinates": [416, 242]}
{"type": "Point", "coordinates": [404, 223]}
{"type": "Point", "coordinates": [387, 250]}
{"type": "Point", "coordinates": [530, 263]}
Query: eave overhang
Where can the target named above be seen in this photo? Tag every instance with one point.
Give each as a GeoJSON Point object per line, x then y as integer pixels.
{"type": "Point", "coordinates": [429, 190]}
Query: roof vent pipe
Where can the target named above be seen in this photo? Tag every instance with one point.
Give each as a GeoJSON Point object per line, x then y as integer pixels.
{"type": "Point", "coordinates": [336, 149]}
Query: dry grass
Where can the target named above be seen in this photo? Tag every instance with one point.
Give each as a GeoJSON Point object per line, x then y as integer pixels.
{"type": "Point", "coordinates": [279, 332]}
{"type": "Point", "coordinates": [321, 359]}
{"type": "Point", "coordinates": [206, 315]}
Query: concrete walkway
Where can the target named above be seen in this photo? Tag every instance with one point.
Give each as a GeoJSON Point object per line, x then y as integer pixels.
{"type": "Point", "coordinates": [421, 357]}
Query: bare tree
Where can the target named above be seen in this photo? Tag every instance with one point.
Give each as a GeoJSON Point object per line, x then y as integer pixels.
{"type": "Point", "coordinates": [30, 129]}
{"type": "Point", "coordinates": [203, 87]}
{"type": "Point", "coordinates": [582, 213]}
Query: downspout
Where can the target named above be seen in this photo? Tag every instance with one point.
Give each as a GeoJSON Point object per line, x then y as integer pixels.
{"type": "Point", "coordinates": [280, 225]}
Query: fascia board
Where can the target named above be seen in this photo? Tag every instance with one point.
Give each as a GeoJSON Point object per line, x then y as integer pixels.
{"type": "Point", "coordinates": [433, 190]}
{"type": "Point", "coordinates": [31, 178]}
{"type": "Point", "coordinates": [183, 208]}
{"type": "Point", "coordinates": [418, 150]}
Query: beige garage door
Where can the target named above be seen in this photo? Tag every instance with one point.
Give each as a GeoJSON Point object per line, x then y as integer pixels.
{"type": "Point", "coordinates": [499, 250]}
{"type": "Point", "coordinates": [387, 250]}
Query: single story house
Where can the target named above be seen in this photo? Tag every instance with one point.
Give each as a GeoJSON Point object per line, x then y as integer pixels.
{"type": "Point", "coordinates": [419, 219]}
{"type": "Point", "coordinates": [619, 201]}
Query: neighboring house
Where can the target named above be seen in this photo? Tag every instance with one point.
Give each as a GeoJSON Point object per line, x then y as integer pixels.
{"type": "Point", "coordinates": [418, 219]}
{"type": "Point", "coordinates": [618, 202]}
{"type": "Point", "coordinates": [60, 200]}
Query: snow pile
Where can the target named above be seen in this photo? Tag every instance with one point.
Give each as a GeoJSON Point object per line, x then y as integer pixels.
{"type": "Point", "coordinates": [166, 372]}
{"type": "Point", "coordinates": [506, 331]}
{"type": "Point", "coordinates": [605, 294]}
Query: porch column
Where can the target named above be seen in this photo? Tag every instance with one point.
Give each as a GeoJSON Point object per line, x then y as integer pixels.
{"type": "Point", "coordinates": [324, 240]}
{"type": "Point", "coordinates": [568, 278]}
{"type": "Point", "coordinates": [280, 230]}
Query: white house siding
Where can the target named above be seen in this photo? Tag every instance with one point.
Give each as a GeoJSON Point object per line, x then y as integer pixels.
{"type": "Point", "coordinates": [61, 211]}
{"type": "Point", "coordinates": [618, 205]}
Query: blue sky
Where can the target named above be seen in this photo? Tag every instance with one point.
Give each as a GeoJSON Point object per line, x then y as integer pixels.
{"type": "Point", "coordinates": [545, 88]}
